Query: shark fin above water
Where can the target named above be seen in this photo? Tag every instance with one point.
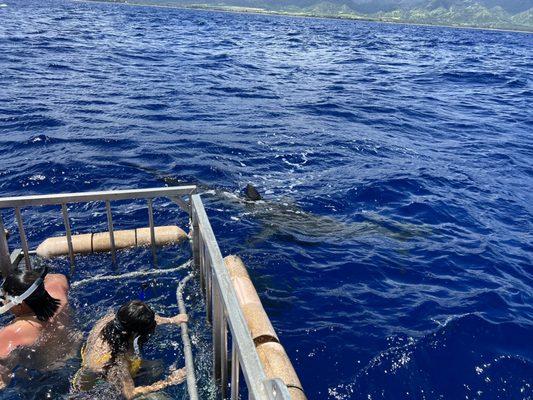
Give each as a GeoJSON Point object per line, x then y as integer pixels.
{"type": "Point", "coordinates": [251, 193]}
{"type": "Point", "coordinates": [287, 219]}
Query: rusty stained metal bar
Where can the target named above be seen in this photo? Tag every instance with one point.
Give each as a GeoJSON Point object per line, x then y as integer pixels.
{"type": "Point", "coordinates": [68, 231]}
{"type": "Point", "coordinates": [5, 259]}
{"type": "Point", "coordinates": [152, 230]}
{"type": "Point", "coordinates": [111, 231]}
{"type": "Point", "coordinates": [23, 240]}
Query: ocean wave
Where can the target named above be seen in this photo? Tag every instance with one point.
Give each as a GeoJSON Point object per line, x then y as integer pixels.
{"type": "Point", "coordinates": [412, 369]}
{"type": "Point", "coordinates": [394, 164]}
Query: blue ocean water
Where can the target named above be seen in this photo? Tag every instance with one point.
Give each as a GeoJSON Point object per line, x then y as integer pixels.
{"type": "Point", "coordinates": [394, 247]}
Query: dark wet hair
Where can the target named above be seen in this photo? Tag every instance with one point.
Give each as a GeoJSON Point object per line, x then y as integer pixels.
{"type": "Point", "coordinates": [132, 319]}
{"type": "Point", "coordinates": [41, 303]}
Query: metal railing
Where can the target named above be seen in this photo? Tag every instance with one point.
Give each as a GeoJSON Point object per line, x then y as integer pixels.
{"type": "Point", "coordinates": [222, 306]}
{"type": "Point", "coordinates": [223, 310]}
{"type": "Point", "coordinates": [17, 203]}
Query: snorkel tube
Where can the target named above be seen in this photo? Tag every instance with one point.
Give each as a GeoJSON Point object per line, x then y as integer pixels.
{"type": "Point", "coordinates": [13, 301]}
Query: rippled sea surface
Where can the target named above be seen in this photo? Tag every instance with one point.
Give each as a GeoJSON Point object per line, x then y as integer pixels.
{"type": "Point", "coordinates": [393, 250]}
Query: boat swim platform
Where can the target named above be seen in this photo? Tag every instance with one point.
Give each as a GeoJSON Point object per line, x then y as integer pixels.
{"type": "Point", "coordinates": [233, 307]}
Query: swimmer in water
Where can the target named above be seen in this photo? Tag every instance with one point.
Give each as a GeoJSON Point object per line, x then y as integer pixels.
{"type": "Point", "coordinates": [112, 352]}
{"type": "Point", "coordinates": [38, 301]}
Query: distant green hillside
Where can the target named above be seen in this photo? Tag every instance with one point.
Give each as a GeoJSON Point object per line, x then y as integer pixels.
{"type": "Point", "coordinates": [462, 13]}
{"type": "Point", "coordinates": [497, 14]}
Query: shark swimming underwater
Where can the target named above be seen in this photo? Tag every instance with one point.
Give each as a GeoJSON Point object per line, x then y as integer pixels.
{"type": "Point", "coordinates": [285, 218]}
{"type": "Point", "coordinates": [288, 219]}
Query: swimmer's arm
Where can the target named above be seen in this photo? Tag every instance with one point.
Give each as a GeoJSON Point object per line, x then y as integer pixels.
{"type": "Point", "coordinates": [177, 319]}
{"type": "Point", "coordinates": [174, 378]}
{"type": "Point", "coordinates": [120, 373]}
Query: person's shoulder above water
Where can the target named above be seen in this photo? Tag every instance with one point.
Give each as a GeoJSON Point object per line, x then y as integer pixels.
{"type": "Point", "coordinates": [34, 298]}
{"type": "Point", "coordinates": [57, 286]}
{"type": "Point", "coordinates": [19, 333]}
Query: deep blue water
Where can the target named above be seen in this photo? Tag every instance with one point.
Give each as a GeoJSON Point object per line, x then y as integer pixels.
{"type": "Point", "coordinates": [394, 249]}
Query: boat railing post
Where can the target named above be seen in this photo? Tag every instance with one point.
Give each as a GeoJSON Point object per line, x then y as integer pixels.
{"type": "Point", "coordinates": [23, 240]}
{"type": "Point", "coordinates": [195, 236]}
{"type": "Point", "coordinates": [217, 315]}
{"type": "Point", "coordinates": [235, 372]}
{"type": "Point", "coordinates": [152, 230]}
{"type": "Point", "coordinates": [208, 286]}
{"type": "Point", "coordinates": [111, 231]}
{"type": "Point", "coordinates": [223, 350]}
{"type": "Point", "coordinates": [68, 231]}
{"type": "Point", "coordinates": [226, 313]}
{"type": "Point", "coordinates": [5, 259]}
{"type": "Point", "coordinates": [220, 338]}
{"type": "Point", "coordinates": [202, 264]}
{"type": "Point", "coordinates": [187, 347]}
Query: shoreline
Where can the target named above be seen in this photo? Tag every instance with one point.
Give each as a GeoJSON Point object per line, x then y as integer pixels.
{"type": "Point", "coordinates": [254, 11]}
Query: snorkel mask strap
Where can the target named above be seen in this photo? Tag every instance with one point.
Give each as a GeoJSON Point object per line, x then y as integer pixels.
{"type": "Point", "coordinates": [136, 347]}
{"type": "Point", "coordinates": [16, 300]}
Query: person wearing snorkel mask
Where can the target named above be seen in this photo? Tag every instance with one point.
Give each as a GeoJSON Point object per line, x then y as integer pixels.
{"type": "Point", "coordinates": [39, 302]}
{"type": "Point", "coordinates": [112, 356]}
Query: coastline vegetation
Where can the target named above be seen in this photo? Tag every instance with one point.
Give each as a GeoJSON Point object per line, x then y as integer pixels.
{"type": "Point", "coordinates": [454, 13]}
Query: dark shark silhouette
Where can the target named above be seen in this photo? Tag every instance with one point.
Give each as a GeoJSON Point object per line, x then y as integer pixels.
{"type": "Point", "coordinates": [287, 219]}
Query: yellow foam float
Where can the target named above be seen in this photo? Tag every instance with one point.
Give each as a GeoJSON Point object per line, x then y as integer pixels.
{"type": "Point", "coordinates": [101, 242]}
{"type": "Point", "coordinates": [271, 353]}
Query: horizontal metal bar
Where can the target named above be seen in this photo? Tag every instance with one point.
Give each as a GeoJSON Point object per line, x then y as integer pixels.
{"type": "Point", "coordinates": [253, 372]}
{"type": "Point", "coordinates": [58, 199]}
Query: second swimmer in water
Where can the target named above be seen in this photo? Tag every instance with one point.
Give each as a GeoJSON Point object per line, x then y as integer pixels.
{"type": "Point", "coordinates": [112, 351]}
